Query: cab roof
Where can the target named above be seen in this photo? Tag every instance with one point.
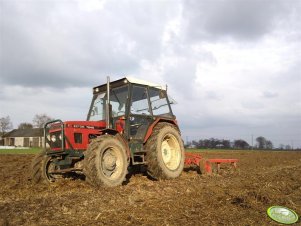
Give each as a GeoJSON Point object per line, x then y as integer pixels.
{"type": "Point", "coordinates": [128, 79]}
{"type": "Point", "coordinates": [131, 80]}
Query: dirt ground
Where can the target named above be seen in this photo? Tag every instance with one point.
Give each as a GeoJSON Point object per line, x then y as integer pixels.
{"type": "Point", "coordinates": [238, 197]}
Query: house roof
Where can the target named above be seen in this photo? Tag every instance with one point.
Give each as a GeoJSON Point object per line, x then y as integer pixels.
{"type": "Point", "coordinates": [35, 132]}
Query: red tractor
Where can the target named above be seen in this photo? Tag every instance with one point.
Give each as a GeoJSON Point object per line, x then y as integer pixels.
{"type": "Point", "coordinates": [129, 123]}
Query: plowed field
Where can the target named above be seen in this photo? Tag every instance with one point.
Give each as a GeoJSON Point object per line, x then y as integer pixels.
{"type": "Point", "coordinates": [238, 197]}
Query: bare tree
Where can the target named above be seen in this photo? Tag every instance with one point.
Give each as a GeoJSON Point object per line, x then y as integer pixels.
{"type": "Point", "coordinates": [269, 144]}
{"type": "Point", "coordinates": [5, 124]}
{"type": "Point", "coordinates": [241, 144]}
{"type": "Point", "coordinates": [25, 125]}
{"type": "Point", "coordinates": [261, 142]}
{"type": "Point", "coordinates": [40, 119]}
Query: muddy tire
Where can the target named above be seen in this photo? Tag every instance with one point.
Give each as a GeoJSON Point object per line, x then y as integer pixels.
{"type": "Point", "coordinates": [41, 168]}
{"type": "Point", "coordinates": [165, 152]}
{"type": "Point", "coordinates": [105, 162]}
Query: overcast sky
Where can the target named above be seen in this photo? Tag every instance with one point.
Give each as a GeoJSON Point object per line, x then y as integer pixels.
{"type": "Point", "coordinates": [233, 66]}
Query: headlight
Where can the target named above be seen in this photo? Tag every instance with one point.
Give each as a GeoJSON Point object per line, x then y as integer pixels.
{"type": "Point", "coordinates": [53, 138]}
{"type": "Point", "coordinates": [60, 136]}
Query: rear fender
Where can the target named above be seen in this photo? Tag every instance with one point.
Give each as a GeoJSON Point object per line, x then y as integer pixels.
{"type": "Point", "coordinates": [152, 126]}
{"type": "Point", "coordinates": [119, 137]}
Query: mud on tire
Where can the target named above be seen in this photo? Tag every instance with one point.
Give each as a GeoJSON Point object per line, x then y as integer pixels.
{"type": "Point", "coordinates": [165, 152]}
{"type": "Point", "coordinates": [105, 162]}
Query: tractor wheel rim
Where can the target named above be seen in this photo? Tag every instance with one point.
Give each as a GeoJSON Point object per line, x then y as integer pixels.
{"type": "Point", "coordinates": [111, 163]}
{"type": "Point", "coordinates": [171, 152]}
{"type": "Point", "coordinates": [50, 169]}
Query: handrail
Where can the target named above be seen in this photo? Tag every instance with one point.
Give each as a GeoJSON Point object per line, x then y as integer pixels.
{"type": "Point", "coordinates": [62, 129]}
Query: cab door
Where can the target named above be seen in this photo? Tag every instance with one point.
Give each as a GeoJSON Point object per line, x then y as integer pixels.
{"type": "Point", "coordinates": [140, 114]}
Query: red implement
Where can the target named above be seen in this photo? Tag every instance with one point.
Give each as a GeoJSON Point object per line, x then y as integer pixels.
{"type": "Point", "coordinates": [206, 164]}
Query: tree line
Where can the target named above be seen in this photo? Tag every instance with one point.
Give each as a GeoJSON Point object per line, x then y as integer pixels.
{"type": "Point", "coordinates": [261, 143]}
{"type": "Point", "coordinates": [38, 121]}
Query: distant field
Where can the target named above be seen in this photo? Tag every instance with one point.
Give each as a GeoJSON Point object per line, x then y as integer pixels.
{"type": "Point", "coordinates": [20, 151]}
{"type": "Point", "coordinates": [213, 150]}
{"type": "Point", "coordinates": [235, 150]}
{"type": "Point", "coordinates": [221, 151]}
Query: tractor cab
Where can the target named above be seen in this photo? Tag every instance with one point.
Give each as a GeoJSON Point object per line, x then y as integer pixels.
{"type": "Point", "coordinates": [133, 106]}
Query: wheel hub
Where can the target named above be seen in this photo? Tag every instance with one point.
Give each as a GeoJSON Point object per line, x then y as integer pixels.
{"type": "Point", "coordinates": [170, 150]}
{"type": "Point", "coordinates": [109, 161]}
{"type": "Point", "coordinates": [166, 152]}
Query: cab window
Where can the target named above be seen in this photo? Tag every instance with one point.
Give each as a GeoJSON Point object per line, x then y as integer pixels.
{"type": "Point", "coordinates": [139, 101]}
{"type": "Point", "coordinates": [159, 102]}
{"type": "Point", "coordinates": [118, 98]}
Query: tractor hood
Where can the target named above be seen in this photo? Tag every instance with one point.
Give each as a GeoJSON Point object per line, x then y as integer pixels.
{"type": "Point", "coordinates": [75, 135]}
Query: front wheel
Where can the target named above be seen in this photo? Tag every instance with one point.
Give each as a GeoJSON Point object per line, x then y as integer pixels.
{"type": "Point", "coordinates": [105, 162]}
{"type": "Point", "coordinates": [165, 152]}
{"type": "Point", "coordinates": [43, 168]}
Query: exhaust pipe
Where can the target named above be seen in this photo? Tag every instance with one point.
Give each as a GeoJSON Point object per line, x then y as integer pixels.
{"type": "Point", "coordinates": [108, 116]}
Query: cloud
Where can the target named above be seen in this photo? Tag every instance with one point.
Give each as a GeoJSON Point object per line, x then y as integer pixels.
{"type": "Point", "coordinates": [62, 44]}
{"type": "Point", "coordinates": [268, 94]}
{"type": "Point", "coordinates": [92, 5]}
{"type": "Point", "coordinates": [243, 20]}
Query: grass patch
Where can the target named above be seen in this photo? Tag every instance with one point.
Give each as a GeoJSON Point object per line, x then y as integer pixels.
{"type": "Point", "coordinates": [20, 151]}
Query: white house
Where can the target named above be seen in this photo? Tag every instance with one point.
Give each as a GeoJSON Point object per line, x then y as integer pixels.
{"type": "Point", "coordinates": [24, 138]}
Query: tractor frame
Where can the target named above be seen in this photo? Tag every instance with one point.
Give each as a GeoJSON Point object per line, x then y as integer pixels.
{"type": "Point", "coordinates": [134, 114]}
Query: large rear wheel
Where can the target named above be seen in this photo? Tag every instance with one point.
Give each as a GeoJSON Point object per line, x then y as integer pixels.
{"type": "Point", "coordinates": [105, 162]}
{"type": "Point", "coordinates": [165, 152]}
